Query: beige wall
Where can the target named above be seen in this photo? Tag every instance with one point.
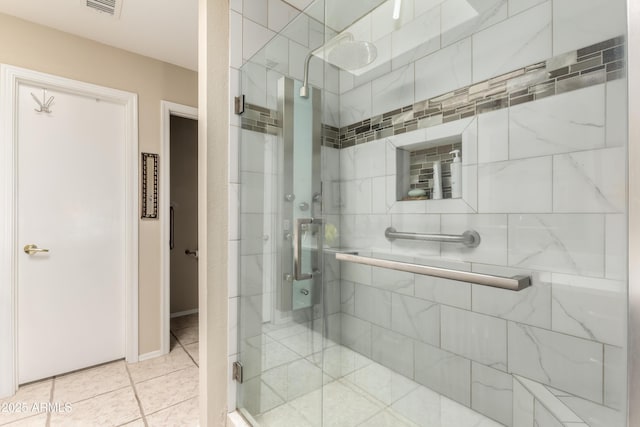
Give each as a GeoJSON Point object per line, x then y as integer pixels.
{"type": "Point", "coordinates": [39, 48]}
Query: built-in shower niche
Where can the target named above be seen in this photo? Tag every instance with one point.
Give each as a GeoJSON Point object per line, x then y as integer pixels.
{"type": "Point", "coordinates": [415, 168]}
{"type": "Point", "coordinates": [420, 148]}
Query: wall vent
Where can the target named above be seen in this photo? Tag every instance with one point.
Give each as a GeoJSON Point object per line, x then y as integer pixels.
{"type": "Point", "coordinates": [106, 7]}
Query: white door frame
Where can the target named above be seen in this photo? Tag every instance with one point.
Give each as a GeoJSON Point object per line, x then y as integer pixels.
{"type": "Point", "coordinates": [168, 109]}
{"type": "Point", "coordinates": [10, 77]}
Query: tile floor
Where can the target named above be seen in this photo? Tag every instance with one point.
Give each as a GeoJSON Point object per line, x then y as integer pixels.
{"type": "Point", "coordinates": [356, 391]}
{"type": "Point", "coordinates": [164, 391]}
{"type": "Point", "coordinates": [157, 392]}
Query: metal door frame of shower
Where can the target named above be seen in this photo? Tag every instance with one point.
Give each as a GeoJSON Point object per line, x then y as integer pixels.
{"type": "Point", "coordinates": [633, 231]}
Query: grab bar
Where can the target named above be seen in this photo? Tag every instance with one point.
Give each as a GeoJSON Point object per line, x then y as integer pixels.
{"type": "Point", "coordinates": [516, 283]}
{"type": "Point", "coordinates": [469, 238]}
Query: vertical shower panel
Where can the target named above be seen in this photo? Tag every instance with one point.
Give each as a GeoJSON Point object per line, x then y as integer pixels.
{"type": "Point", "coordinates": [301, 196]}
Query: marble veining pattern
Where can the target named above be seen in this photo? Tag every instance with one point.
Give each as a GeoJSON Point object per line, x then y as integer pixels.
{"type": "Point", "coordinates": [368, 394]}
{"type": "Point", "coordinates": [562, 361]}
{"type": "Point", "coordinates": [586, 67]}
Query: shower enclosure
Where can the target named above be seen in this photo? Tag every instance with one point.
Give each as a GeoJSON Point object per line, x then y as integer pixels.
{"type": "Point", "coordinates": [381, 282]}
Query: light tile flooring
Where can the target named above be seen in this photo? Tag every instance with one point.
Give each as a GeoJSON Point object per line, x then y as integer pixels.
{"type": "Point", "coordinates": [157, 392]}
{"type": "Point", "coordinates": [356, 391]}
{"type": "Point", "coordinates": [164, 391]}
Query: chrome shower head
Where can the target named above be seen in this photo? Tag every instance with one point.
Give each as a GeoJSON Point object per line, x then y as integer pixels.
{"type": "Point", "coordinates": [352, 55]}
{"type": "Point", "coordinates": [344, 52]}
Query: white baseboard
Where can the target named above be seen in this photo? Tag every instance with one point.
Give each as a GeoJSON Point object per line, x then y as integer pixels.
{"type": "Point", "coordinates": [184, 313]}
{"type": "Point", "coordinates": [149, 355]}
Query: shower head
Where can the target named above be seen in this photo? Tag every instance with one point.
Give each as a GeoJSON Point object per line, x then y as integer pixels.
{"type": "Point", "coordinates": [344, 52]}
{"type": "Point", "coordinates": [353, 54]}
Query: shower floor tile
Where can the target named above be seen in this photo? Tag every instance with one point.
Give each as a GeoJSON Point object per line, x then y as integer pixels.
{"type": "Point", "coordinates": [360, 392]}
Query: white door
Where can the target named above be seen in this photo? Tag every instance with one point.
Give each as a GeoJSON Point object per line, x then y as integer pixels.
{"type": "Point", "coordinates": [71, 201]}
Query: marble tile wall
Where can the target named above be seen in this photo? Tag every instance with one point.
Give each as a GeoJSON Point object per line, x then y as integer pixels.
{"type": "Point", "coordinates": [542, 188]}
{"type": "Point", "coordinates": [588, 66]}
{"type": "Point", "coordinates": [542, 211]}
{"type": "Point", "coordinates": [465, 45]}
{"type": "Point", "coordinates": [536, 404]}
{"type": "Point", "coordinates": [541, 185]}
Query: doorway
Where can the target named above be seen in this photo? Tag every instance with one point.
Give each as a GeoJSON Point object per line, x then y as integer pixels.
{"type": "Point", "coordinates": [69, 177]}
{"type": "Point", "coordinates": [179, 222]}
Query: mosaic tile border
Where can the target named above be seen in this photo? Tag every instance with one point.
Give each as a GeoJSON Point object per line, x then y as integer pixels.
{"type": "Point", "coordinates": [592, 65]}
{"type": "Point", "coordinates": [589, 66]}
{"type": "Point", "coordinates": [260, 119]}
{"type": "Point", "coordinates": [265, 120]}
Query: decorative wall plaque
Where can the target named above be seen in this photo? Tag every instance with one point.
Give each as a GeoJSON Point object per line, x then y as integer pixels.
{"type": "Point", "coordinates": [149, 185]}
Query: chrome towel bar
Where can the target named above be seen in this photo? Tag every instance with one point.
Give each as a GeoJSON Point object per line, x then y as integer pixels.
{"type": "Point", "coordinates": [469, 238]}
{"type": "Point", "coordinates": [515, 283]}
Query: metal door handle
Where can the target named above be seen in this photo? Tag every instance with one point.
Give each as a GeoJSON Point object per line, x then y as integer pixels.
{"type": "Point", "coordinates": [191, 253]}
{"type": "Point", "coordinates": [33, 249]}
{"type": "Point", "coordinates": [172, 242]}
{"type": "Point", "coordinates": [301, 223]}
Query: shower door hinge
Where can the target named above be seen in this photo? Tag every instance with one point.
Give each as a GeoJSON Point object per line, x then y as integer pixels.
{"type": "Point", "coordinates": [237, 372]}
{"type": "Point", "coordinates": [239, 104]}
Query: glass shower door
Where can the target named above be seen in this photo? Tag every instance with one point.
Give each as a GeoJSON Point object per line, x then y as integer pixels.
{"type": "Point", "coordinates": [281, 231]}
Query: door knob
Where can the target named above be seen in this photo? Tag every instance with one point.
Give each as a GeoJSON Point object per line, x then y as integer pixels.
{"type": "Point", "coordinates": [192, 253]}
{"type": "Point", "coordinates": [33, 249]}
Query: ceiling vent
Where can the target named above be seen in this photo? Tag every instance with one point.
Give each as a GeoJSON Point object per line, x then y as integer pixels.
{"type": "Point", "coordinates": [105, 7]}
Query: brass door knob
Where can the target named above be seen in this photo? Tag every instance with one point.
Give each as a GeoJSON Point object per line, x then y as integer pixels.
{"type": "Point", "coordinates": [33, 249]}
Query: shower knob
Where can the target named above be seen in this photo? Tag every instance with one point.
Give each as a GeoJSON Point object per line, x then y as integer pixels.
{"type": "Point", "coordinates": [304, 206]}
{"type": "Point", "coordinates": [290, 197]}
{"type": "Point", "coordinates": [304, 291]}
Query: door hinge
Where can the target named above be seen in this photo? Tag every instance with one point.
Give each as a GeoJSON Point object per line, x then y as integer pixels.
{"type": "Point", "coordinates": [237, 372]}
{"type": "Point", "coordinates": [239, 104]}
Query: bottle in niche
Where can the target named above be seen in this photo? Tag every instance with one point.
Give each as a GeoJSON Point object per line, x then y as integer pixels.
{"type": "Point", "coordinates": [456, 175]}
{"type": "Point", "coordinates": [436, 193]}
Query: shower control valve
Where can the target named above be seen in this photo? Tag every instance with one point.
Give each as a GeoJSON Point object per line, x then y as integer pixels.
{"type": "Point", "coordinates": [290, 197]}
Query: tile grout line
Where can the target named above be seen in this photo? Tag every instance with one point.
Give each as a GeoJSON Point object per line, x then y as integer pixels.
{"type": "Point", "coordinates": [53, 385]}
{"type": "Point", "coordinates": [173, 405]}
{"type": "Point", "coordinates": [184, 349]}
{"type": "Point", "coordinates": [135, 393]}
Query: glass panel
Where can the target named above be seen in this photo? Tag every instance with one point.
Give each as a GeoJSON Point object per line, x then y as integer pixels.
{"type": "Point", "coordinates": [532, 96]}
{"type": "Point", "coordinates": [281, 229]}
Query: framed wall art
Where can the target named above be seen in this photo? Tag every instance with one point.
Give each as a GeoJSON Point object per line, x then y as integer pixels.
{"type": "Point", "coordinates": [149, 186]}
